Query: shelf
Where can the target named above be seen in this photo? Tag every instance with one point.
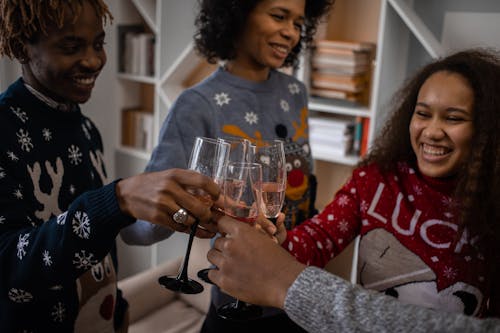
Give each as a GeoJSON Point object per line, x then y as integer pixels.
{"type": "Point", "coordinates": [338, 107]}
{"type": "Point", "coordinates": [323, 153]}
{"type": "Point", "coordinates": [418, 28]}
{"type": "Point", "coordinates": [136, 78]}
{"type": "Point", "coordinates": [147, 9]}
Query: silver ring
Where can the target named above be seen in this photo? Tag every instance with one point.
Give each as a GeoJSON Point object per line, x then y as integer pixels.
{"type": "Point", "coordinates": [180, 216]}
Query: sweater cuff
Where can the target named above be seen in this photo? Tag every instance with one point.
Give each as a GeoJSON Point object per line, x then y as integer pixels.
{"type": "Point", "coordinates": [103, 205]}
{"type": "Point", "coordinates": [304, 293]}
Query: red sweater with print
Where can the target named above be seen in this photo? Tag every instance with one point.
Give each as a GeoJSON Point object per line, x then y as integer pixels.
{"type": "Point", "coordinates": [410, 246]}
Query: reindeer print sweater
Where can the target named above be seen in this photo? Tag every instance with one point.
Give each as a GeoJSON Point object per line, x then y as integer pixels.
{"type": "Point", "coordinates": [410, 244]}
{"type": "Point", "coordinates": [58, 222]}
{"type": "Point", "coordinates": [225, 105]}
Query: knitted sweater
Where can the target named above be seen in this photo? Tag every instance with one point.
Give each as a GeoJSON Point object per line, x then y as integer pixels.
{"type": "Point", "coordinates": [322, 303]}
{"type": "Point", "coordinates": [410, 246]}
{"type": "Point", "coordinates": [57, 223]}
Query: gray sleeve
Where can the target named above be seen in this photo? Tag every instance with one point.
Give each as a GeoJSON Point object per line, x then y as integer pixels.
{"type": "Point", "coordinates": [322, 302]}
{"type": "Point", "coordinates": [190, 116]}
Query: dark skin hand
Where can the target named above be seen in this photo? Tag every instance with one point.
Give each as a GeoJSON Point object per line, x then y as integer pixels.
{"type": "Point", "coordinates": [251, 266]}
{"type": "Point", "coordinates": [156, 196]}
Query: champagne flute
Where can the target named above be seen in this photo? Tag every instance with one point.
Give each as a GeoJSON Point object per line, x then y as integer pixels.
{"type": "Point", "coordinates": [271, 155]}
{"type": "Point", "coordinates": [208, 157]}
{"type": "Point", "coordinates": [241, 150]}
{"type": "Point", "coordinates": [242, 201]}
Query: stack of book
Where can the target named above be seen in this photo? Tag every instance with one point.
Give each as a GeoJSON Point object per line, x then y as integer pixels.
{"type": "Point", "coordinates": [137, 128]}
{"type": "Point", "coordinates": [332, 135]}
{"type": "Point", "coordinates": [136, 50]}
{"type": "Point", "coordinates": [341, 69]}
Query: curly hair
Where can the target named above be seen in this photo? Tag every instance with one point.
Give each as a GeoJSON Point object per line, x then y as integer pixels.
{"type": "Point", "coordinates": [478, 185]}
{"type": "Point", "coordinates": [24, 20]}
{"type": "Point", "coordinates": [220, 22]}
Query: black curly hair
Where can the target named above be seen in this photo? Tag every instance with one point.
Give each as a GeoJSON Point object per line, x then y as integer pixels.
{"type": "Point", "coordinates": [220, 22]}
{"type": "Point", "coordinates": [478, 189]}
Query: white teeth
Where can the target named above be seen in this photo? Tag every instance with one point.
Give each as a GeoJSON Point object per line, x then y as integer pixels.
{"type": "Point", "coordinates": [432, 150]}
{"type": "Point", "coordinates": [85, 81]}
{"type": "Point", "coordinates": [281, 49]}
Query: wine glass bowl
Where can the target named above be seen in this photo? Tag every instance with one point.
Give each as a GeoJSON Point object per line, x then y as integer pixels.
{"type": "Point", "coordinates": [242, 201]}
{"type": "Point", "coordinates": [271, 155]}
{"type": "Point", "coordinates": [208, 157]}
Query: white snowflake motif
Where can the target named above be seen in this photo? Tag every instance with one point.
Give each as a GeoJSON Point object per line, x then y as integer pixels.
{"type": "Point", "coordinates": [290, 246]}
{"type": "Point", "coordinates": [2, 173]}
{"type": "Point", "coordinates": [20, 114]}
{"type": "Point", "coordinates": [81, 225]}
{"type": "Point", "coordinates": [447, 201]}
{"type": "Point", "coordinates": [84, 261]}
{"type": "Point", "coordinates": [74, 155]}
{"type": "Point", "coordinates": [221, 99]}
{"type": "Point", "coordinates": [353, 190]}
{"type": "Point", "coordinates": [411, 171]}
{"type": "Point", "coordinates": [343, 226]}
{"type": "Point", "coordinates": [417, 189]}
{"type": "Point", "coordinates": [22, 243]}
{"type": "Point", "coordinates": [449, 272]}
{"type": "Point", "coordinates": [18, 194]}
{"type": "Point", "coordinates": [72, 189]}
{"type": "Point", "coordinates": [343, 200]}
{"type": "Point", "coordinates": [284, 105]}
{"type": "Point", "coordinates": [319, 245]}
{"type": "Point", "coordinates": [12, 156]}
{"type": "Point", "coordinates": [20, 296]}
{"type": "Point", "coordinates": [434, 259]}
{"type": "Point", "coordinates": [468, 258]}
{"type": "Point", "coordinates": [296, 239]}
{"type": "Point", "coordinates": [411, 198]}
{"type": "Point", "coordinates": [362, 174]}
{"type": "Point", "coordinates": [448, 215]}
{"type": "Point", "coordinates": [56, 287]}
{"type": "Point", "coordinates": [2, 220]}
{"type": "Point", "coordinates": [310, 231]}
{"type": "Point", "coordinates": [330, 217]}
{"type": "Point", "coordinates": [47, 259]}
{"type": "Point", "coordinates": [47, 134]}
{"type": "Point", "coordinates": [86, 132]}
{"type": "Point", "coordinates": [293, 88]}
{"type": "Point", "coordinates": [24, 139]}
{"type": "Point", "coordinates": [58, 313]}
{"type": "Point", "coordinates": [251, 118]}
{"type": "Point", "coordinates": [61, 218]}
{"type": "Point", "coordinates": [364, 206]}
{"type": "Point", "coordinates": [365, 222]}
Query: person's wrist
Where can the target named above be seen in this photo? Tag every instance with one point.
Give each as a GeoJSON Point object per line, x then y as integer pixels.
{"type": "Point", "coordinates": [120, 196]}
{"type": "Point", "coordinates": [291, 270]}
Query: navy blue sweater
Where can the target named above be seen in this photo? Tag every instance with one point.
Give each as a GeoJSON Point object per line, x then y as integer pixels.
{"type": "Point", "coordinates": [57, 220]}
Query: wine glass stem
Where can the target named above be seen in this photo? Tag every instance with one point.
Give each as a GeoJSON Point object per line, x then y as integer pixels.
{"type": "Point", "coordinates": [183, 275]}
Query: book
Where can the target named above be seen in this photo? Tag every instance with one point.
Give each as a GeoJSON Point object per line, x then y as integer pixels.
{"type": "Point", "coordinates": [345, 45]}
{"type": "Point", "coordinates": [364, 137]}
{"type": "Point", "coordinates": [353, 84]}
{"type": "Point", "coordinates": [339, 94]}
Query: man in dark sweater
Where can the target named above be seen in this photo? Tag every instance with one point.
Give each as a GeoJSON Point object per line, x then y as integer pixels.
{"type": "Point", "coordinates": [58, 218]}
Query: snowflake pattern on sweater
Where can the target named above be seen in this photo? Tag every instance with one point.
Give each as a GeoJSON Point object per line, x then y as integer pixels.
{"type": "Point", "coordinates": [57, 221]}
{"type": "Point", "coordinates": [410, 243]}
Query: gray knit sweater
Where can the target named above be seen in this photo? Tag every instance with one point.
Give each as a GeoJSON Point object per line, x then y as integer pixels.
{"type": "Point", "coordinates": [322, 302]}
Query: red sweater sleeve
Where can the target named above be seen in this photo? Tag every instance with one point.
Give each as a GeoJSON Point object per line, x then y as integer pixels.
{"type": "Point", "coordinates": [319, 239]}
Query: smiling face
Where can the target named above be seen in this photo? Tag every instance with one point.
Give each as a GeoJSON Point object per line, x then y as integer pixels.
{"type": "Point", "coordinates": [272, 30]}
{"type": "Point", "coordinates": [441, 127]}
{"type": "Point", "coordinates": [65, 63]}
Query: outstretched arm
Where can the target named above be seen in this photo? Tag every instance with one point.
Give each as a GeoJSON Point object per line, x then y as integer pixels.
{"type": "Point", "coordinates": [253, 268]}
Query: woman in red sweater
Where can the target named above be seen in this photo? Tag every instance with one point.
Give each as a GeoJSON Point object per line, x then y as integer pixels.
{"type": "Point", "coordinates": [425, 200]}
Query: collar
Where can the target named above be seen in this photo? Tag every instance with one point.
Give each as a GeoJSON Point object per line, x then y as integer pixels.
{"type": "Point", "coordinates": [49, 101]}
